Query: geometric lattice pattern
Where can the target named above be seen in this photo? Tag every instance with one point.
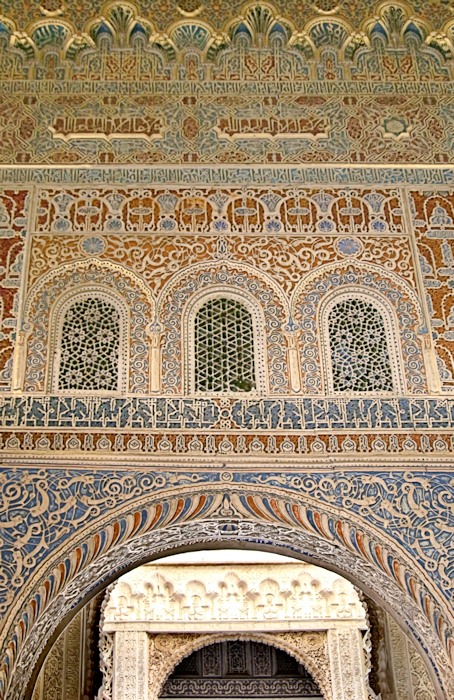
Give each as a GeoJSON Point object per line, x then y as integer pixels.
{"type": "Point", "coordinates": [359, 351]}
{"type": "Point", "coordinates": [89, 346]}
{"type": "Point", "coordinates": [224, 347]}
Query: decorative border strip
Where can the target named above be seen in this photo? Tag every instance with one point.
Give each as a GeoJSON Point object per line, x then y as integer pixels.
{"type": "Point", "coordinates": [216, 87]}
{"type": "Point", "coordinates": [161, 413]}
{"type": "Point", "coordinates": [297, 449]}
{"type": "Point", "coordinates": [230, 175]}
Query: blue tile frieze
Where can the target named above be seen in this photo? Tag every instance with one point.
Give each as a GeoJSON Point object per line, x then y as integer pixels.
{"type": "Point", "coordinates": [161, 413]}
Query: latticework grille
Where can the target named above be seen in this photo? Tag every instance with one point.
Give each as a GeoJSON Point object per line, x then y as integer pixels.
{"type": "Point", "coordinates": [90, 341]}
{"type": "Point", "coordinates": [359, 349]}
{"type": "Point", "coordinates": [224, 347]}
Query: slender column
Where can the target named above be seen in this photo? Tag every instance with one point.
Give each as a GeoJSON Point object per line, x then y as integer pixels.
{"type": "Point", "coordinates": [430, 362]}
{"type": "Point", "coordinates": [348, 673]}
{"type": "Point", "coordinates": [291, 334]}
{"type": "Point", "coordinates": [154, 333]}
{"type": "Point", "coordinates": [20, 359]}
{"type": "Point", "coordinates": [130, 678]}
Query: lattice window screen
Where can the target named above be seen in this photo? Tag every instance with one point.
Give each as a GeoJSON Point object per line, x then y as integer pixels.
{"type": "Point", "coordinates": [359, 349]}
{"type": "Point", "coordinates": [90, 344]}
{"type": "Point", "coordinates": [224, 347]}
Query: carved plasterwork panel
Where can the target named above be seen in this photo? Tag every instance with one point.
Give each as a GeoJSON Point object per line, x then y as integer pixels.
{"type": "Point", "coordinates": [13, 220]}
{"type": "Point", "coordinates": [131, 672]}
{"type": "Point", "coordinates": [267, 209]}
{"type": "Point", "coordinates": [86, 276]}
{"type": "Point", "coordinates": [226, 15]}
{"type": "Point", "coordinates": [156, 258]}
{"type": "Point", "coordinates": [433, 220]}
{"type": "Point", "coordinates": [229, 278]}
{"type": "Point", "coordinates": [308, 648]}
{"type": "Point", "coordinates": [347, 664]}
{"type": "Point", "coordinates": [410, 677]}
{"type": "Point", "coordinates": [61, 674]}
{"type": "Point", "coordinates": [111, 557]}
{"type": "Point", "coordinates": [166, 597]}
{"type": "Point", "coordinates": [316, 286]}
{"type": "Point", "coordinates": [274, 53]}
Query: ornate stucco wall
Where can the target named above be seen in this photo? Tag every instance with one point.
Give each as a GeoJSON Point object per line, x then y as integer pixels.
{"type": "Point", "coordinates": [286, 152]}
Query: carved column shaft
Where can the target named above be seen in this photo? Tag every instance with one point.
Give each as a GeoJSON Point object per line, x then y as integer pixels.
{"type": "Point", "coordinates": [347, 664]}
{"type": "Point", "coordinates": [293, 360]}
{"type": "Point", "coordinates": [130, 666]}
{"type": "Point", "coordinates": [155, 337]}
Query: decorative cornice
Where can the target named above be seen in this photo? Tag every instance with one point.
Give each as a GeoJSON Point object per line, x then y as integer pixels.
{"type": "Point", "coordinates": [307, 31]}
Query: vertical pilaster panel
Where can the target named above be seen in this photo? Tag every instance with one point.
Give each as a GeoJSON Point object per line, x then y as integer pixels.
{"type": "Point", "coordinates": [130, 666]}
{"type": "Point", "coordinates": [347, 664]}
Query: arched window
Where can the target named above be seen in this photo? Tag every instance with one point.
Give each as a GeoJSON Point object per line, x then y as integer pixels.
{"type": "Point", "coordinates": [89, 345]}
{"type": "Point", "coordinates": [224, 357]}
{"type": "Point", "coordinates": [358, 347]}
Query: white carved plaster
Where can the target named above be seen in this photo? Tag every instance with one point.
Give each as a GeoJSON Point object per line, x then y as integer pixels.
{"type": "Point", "coordinates": [259, 599]}
{"type": "Point", "coordinates": [410, 677]}
{"type": "Point", "coordinates": [159, 598]}
{"type": "Point", "coordinates": [286, 539]}
{"type": "Point", "coordinates": [308, 648]}
{"type": "Point", "coordinates": [348, 671]}
{"type": "Point", "coordinates": [130, 666]}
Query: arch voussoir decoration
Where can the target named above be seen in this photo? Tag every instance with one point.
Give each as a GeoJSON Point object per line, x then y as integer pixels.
{"type": "Point", "coordinates": [196, 515]}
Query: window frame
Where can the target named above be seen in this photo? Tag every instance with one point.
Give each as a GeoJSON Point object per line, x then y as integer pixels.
{"type": "Point", "coordinates": [391, 326]}
{"type": "Point", "coordinates": [58, 315]}
{"type": "Point", "coordinates": [259, 341]}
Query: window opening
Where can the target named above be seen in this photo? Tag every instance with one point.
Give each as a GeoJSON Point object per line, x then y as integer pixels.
{"type": "Point", "coordinates": [224, 347]}
{"type": "Point", "coordinates": [359, 349]}
{"type": "Point", "coordinates": [90, 344]}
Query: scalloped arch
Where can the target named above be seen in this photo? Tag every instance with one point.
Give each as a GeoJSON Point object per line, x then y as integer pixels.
{"type": "Point", "coordinates": [279, 641]}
